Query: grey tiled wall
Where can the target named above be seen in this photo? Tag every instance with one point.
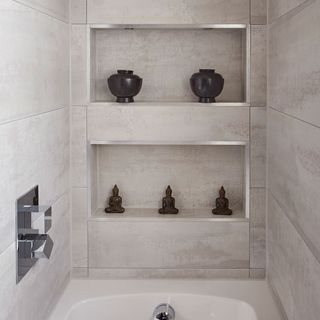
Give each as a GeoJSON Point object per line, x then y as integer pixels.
{"type": "Point", "coordinates": [294, 155]}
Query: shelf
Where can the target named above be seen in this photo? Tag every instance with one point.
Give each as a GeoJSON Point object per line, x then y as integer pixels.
{"type": "Point", "coordinates": [166, 56]}
{"type": "Point", "coordinates": [186, 26]}
{"type": "Point", "coordinates": [152, 215]}
{"type": "Point", "coordinates": [139, 104]}
{"type": "Point", "coordinates": [168, 143]}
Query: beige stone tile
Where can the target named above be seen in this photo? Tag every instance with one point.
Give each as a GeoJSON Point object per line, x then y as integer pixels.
{"type": "Point", "coordinates": [294, 173]}
{"type": "Point", "coordinates": [79, 146]}
{"type": "Point", "coordinates": [258, 68]}
{"type": "Point", "coordinates": [168, 11]}
{"type": "Point", "coordinates": [168, 123]}
{"type": "Point", "coordinates": [257, 247]}
{"type": "Point", "coordinates": [79, 273]}
{"type": "Point", "coordinates": [79, 65]}
{"type": "Point", "coordinates": [79, 228]}
{"type": "Point", "coordinates": [78, 12]}
{"type": "Point", "coordinates": [33, 62]}
{"type": "Point", "coordinates": [257, 273]}
{"type": "Point", "coordinates": [258, 10]}
{"type": "Point", "coordinates": [293, 270]}
{"type": "Point", "coordinates": [257, 207]}
{"type": "Point", "coordinates": [168, 273]}
{"type": "Point", "coordinates": [182, 245]}
{"type": "Point", "coordinates": [258, 121]}
{"type": "Point", "coordinates": [38, 156]}
{"type": "Point", "coordinates": [294, 80]}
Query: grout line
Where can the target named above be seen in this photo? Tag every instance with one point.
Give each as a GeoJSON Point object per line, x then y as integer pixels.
{"type": "Point", "coordinates": [296, 118]}
{"type": "Point", "coordinates": [44, 11]}
{"type": "Point", "coordinates": [292, 12]}
{"type": "Point", "coordinates": [32, 115]}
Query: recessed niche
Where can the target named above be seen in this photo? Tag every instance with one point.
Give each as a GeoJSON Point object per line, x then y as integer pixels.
{"type": "Point", "coordinates": [195, 173]}
{"type": "Point", "coordinates": [166, 58]}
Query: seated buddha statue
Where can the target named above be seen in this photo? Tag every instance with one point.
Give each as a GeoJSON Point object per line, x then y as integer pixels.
{"type": "Point", "coordinates": [168, 203]}
{"type": "Point", "coordinates": [222, 204]}
{"type": "Point", "coordinates": [115, 202]}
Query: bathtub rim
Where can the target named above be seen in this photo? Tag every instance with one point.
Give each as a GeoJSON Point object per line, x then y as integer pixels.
{"type": "Point", "coordinates": [109, 297]}
{"type": "Point", "coordinates": [250, 291]}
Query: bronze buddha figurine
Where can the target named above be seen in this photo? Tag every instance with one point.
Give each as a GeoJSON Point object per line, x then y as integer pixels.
{"type": "Point", "coordinates": [222, 204]}
{"type": "Point", "coordinates": [115, 202]}
{"type": "Point", "coordinates": [168, 203]}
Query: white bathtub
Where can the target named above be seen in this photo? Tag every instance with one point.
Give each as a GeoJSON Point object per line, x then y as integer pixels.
{"type": "Point", "coordinates": [191, 299]}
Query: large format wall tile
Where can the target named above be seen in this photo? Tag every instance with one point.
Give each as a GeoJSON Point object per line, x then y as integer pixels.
{"type": "Point", "coordinates": [78, 12]}
{"type": "Point", "coordinates": [79, 146]}
{"type": "Point", "coordinates": [56, 8]}
{"type": "Point", "coordinates": [33, 62]}
{"type": "Point", "coordinates": [79, 65]}
{"type": "Point", "coordinates": [167, 58]}
{"type": "Point", "coordinates": [258, 66]}
{"type": "Point", "coordinates": [258, 228]}
{"type": "Point", "coordinates": [292, 269]}
{"type": "Point", "coordinates": [277, 8]}
{"type": "Point", "coordinates": [79, 228]}
{"type": "Point", "coordinates": [294, 74]}
{"type": "Point", "coordinates": [168, 11]}
{"type": "Point", "coordinates": [145, 273]}
{"type": "Point", "coordinates": [168, 123]}
{"type": "Point", "coordinates": [258, 10]}
{"type": "Point", "coordinates": [200, 245]}
{"type": "Point", "coordinates": [294, 173]}
{"type": "Point", "coordinates": [33, 151]}
{"type": "Point", "coordinates": [258, 122]}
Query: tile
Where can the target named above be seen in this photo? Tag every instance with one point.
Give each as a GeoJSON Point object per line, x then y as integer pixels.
{"type": "Point", "coordinates": [258, 10]}
{"type": "Point", "coordinates": [168, 11]}
{"type": "Point", "coordinates": [39, 156]}
{"type": "Point", "coordinates": [258, 69]}
{"type": "Point", "coordinates": [79, 273]}
{"type": "Point", "coordinates": [257, 247]}
{"type": "Point", "coordinates": [167, 123]}
{"type": "Point", "coordinates": [258, 228]}
{"type": "Point", "coordinates": [79, 228]}
{"type": "Point", "coordinates": [277, 8]}
{"type": "Point", "coordinates": [78, 146]}
{"type": "Point", "coordinates": [56, 8]}
{"type": "Point", "coordinates": [257, 273]}
{"type": "Point", "coordinates": [258, 146]}
{"type": "Point", "coordinates": [182, 245]}
{"type": "Point", "coordinates": [166, 69]}
{"type": "Point", "coordinates": [195, 174]}
{"type": "Point", "coordinates": [295, 42]}
{"type": "Point", "coordinates": [293, 270]}
{"type": "Point", "coordinates": [257, 207]}
{"type": "Point", "coordinates": [294, 173]}
{"type": "Point", "coordinates": [168, 273]}
{"type": "Point", "coordinates": [8, 281]}
{"type": "Point", "coordinates": [32, 75]}
{"type": "Point", "coordinates": [78, 12]}
{"type": "Point", "coordinates": [79, 65]}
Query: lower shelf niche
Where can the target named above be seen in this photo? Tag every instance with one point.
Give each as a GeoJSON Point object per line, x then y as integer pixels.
{"type": "Point", "coordinates": [195, 173]}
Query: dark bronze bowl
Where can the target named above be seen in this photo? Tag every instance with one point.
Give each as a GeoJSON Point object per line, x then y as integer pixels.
{"type": "Point", "coordinates": [207, 85]}
{"type": "Point", "coordinates": [125, 85]}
